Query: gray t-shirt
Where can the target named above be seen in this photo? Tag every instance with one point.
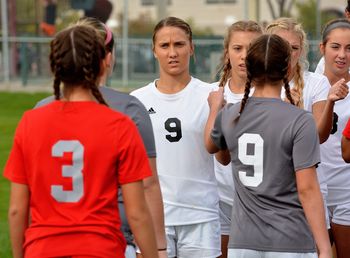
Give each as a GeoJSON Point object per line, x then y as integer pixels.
{"type": "Point", "coordinates": [269, 142]}
{"type": "Point", "coordinates": [133, 108]}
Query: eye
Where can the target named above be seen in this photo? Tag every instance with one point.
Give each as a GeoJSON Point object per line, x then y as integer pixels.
{"type": "Point", "coordinates": [236, 48]}
{"type": "Point", "coordinates": [295, 48]}
{"type": "Point", "coordinates": [163, 45]}
{"type": "Point", "coordinates": [180, 44]}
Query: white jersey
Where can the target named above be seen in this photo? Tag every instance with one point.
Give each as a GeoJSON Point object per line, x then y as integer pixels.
{"type": "Point", "coordinates": [224, 173]}
{"type": "Point", "coordinates": [316, 88]}
{"type": "Point", "coordinates": [186, 170]}
{"type": "Point", "coordinates": [320, 66]}
{"type": "Point", "coordinates": [333, 168]}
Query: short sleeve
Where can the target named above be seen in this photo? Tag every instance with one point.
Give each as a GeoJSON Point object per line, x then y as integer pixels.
{"type": "Point", "coordinates": [217, 134]}
{"type": "Point", "coordinates": [138, 113]}
{"type": "Point", "coordinates": [321, 90]}
{"type": "Point", "coordinates": [133, 164]}
{"type": "Point", "coordinates": [320, 66]}
{"type": "Point", "coordinates": [15, 165]}
{"type": "Point", "coordinates": [346, 132]}
{"type": "Point", "coordinates": [306, 150]}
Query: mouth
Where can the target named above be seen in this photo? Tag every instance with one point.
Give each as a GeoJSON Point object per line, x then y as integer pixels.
{"type": "Point", "coordinates": [340, 63]}
{"type": "Point", "coordinates": [172, 62]}
{"type": "Point", "coordinates": [242, 66]}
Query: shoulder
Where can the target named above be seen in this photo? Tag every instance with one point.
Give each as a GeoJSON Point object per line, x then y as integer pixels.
{"type": "Point", "coordinates": [143, 90]}
{"type": "Point", "coordinates": [202, 88]}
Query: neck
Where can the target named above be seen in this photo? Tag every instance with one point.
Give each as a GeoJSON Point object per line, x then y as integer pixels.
{"type": "Point", "coordinates": [170, 84]}
{"type": "Point", "coordinates": [333, 78]}
{"type": "Point", "coordinates": [77, 93]}
{"type": "Point", "coordinates": [267, 91]}
{"type": "Point", "coordinates": [237, 84]}
{"type": "Point", "coordinates": [103, 80]}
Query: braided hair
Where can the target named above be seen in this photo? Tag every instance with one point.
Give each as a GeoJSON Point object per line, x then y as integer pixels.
{"type": "Point", "coordinates": [267, 61]}
{"type": "Point", "coordinates": [75, 59]}
{"type": "Point", "coordinates": [289, 24]}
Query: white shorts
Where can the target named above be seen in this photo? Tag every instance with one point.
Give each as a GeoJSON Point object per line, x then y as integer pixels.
{"type": "Point", "coordinates": [340, 214]}
{"type": "Point", "coordinates": [195, 240]}
{"type": "Point", "coordinates": [225, 212]}
{"type": "Point", "coordinates": [247, 253]}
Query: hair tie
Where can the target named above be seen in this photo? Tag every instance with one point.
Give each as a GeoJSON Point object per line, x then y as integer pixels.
{"type": "Point", "coordinates": [109, 34]}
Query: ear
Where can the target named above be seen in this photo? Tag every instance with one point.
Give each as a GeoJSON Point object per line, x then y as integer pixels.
{"type": "Point", "coordinates": [322, 48]}
{"type": "Point", "coordinates": [108, 59]}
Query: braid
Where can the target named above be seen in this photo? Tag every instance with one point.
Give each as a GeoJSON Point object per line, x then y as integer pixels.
{"type": "Point", "coordinates": [56, 88]}
{"type": "Point", "coordinates": [287, 89]}
{"type": "Point", "coordinates": [56, 67]}
{"type": "Point", "coordinates": [226, 71]}
{"type": "Point", "coordinates": [97, 94]}
{"type": "Point", "coordinates": [299, 85]}
{"type": "Point", "coordinates": [246, 94]}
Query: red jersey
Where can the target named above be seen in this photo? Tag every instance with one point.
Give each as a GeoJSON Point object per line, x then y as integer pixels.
{"type": "Point", "coordinates": [73, 156]}
{"type": "Point", "coordinates": [346, 131]}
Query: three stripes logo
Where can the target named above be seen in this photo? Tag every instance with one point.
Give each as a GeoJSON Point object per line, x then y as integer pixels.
{"type": "Point", "coordinates": [151, 111]}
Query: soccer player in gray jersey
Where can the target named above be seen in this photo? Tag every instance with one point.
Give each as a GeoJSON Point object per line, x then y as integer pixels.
{"type": "Point", "coordinates": [132, 107]}
{"type": "Point", "coordinates": [273, 147]}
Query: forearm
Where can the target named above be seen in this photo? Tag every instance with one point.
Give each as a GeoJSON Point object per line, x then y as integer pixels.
{"type": "Point", "coordinates": [345, 149]}
{"type": "Point", "coordinates": [312, 203]}
{"type": "Point", "coordinates": [325, 123]}
{"type": "Point", "coordinates": [18, 222]}
{"type": "Point", "coordinates": [209, 144]}
{"type": "Point", "coordinates": [154, 201]}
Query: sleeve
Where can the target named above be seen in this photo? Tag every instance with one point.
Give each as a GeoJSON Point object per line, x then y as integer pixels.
{"type": "Point", "coordinates": [306, 146]}
{"type": "Point", "coordinates": [44, 102]}
{"type": "Point", "coordinates": [15, 167]}
{"type": "Point", "coordinates": [217, 134]}
{"type": "Point", "coordinates": [133, 164]}
{"type": "Point", "coordinates": [346, 132]}
{"type": "Point", "coordinates": [321, 90]}
{"type": "Point", "coordinates": [138, 113]}
{"type": "Point", "coordinates": [320, 66]}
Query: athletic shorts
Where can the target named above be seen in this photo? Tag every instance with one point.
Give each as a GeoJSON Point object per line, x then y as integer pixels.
{"type": "Point", "coordinates": [195, 240]}
{"type": "Point", "coordinates": [340, 214]}
{"type": "Point", "coordinates": [225, 211]}
{"type": "Point", "coordinates": [247, 253]}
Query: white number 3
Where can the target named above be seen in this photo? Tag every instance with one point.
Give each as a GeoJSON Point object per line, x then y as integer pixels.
{"type": "Point", "coordinates": [256, 160]}
{"type": "Point", "coordinates": [74, 171]}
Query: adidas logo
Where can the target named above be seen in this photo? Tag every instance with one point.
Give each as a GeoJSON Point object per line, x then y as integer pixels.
{"type": "Point", "coordinates": [151, 111]}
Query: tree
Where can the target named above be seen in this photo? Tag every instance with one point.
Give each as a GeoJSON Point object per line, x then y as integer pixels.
{"type": "Point", "coordinates": [283, 8]}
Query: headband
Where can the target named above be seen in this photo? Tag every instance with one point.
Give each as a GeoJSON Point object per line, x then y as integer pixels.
{"type": "Point", "coordinates": [335, 25]}
{"type": "Point", "coordinates": [109, 34]}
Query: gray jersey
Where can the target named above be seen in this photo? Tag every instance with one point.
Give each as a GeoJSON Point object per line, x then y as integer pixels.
{"type": "Point", "coordinates": [268, 144]}
{"type": "Point", "coordinates": [132, 107]}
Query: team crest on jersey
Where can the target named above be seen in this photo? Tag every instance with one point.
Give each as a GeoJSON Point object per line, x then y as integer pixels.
{"type": "Point", "coordinates": [151, 111]}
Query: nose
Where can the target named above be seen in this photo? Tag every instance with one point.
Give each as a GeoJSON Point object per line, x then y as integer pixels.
{"type": "Point", "coordinates": [172, 51]}
{"type": "Point", "coordinates": [341, 52]}
{"type": "Point", "coordinates": [244, 53]}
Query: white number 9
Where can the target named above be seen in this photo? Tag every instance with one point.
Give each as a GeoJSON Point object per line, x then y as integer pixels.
{"type": "Point", "coordinates": [256, 160]}
{"type": "Point", "coordinates": [74, 171]}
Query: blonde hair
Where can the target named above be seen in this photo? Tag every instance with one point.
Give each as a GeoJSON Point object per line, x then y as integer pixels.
{"type": "Point", "coordinates": [289, 24]}
{"type": "Point", "coordinates": [225, 66]}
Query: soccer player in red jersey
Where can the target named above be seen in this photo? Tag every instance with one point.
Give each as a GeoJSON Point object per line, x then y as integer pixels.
{"type": "Point", "coordinates": [68, 159]}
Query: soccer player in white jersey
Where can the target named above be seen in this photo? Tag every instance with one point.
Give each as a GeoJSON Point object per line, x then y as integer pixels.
{"type": "Point", "coordinates": [310, 91]}
{"type": "Point", "coordinates": [335, 48]}
{"type": "Point", "coordinates": [233, 78]}
{"type": "Point", "coordinates": [273, 147]}
{"type": "Point", "coordinates": [178, 107]}
{"type": "Point", "coordinates": [320, 66]}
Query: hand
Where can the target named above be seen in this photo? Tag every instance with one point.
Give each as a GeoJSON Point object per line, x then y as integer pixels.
{"type": "Point", "coordinates": [338, 91]}
{"type": "Point", "coordinates": [216, 99]}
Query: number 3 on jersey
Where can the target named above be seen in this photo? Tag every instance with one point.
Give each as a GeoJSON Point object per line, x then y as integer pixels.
{"type": "Point", "coordinates": [74, 171]}
{"type": "Point", "coordinates": [173, 126]}
{"type": "Point", "coordinates": [256, 160]}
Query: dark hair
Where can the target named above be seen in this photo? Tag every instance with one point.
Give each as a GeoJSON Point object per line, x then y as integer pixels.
{"type": "Point", "coordinates": [172, 22]}
{"type": "Point", "coordinates": [267, 61]}
{"type": "Point", "coordinates": [347, 8]}
{"type": "Point", "coordinates": [104, 31]}
{"type": "Point", "coordinates": [75, 59]}
{"type": "Point", "coordinates": [334, 24]}
{"type": "Point", "coordinates": [225, 66]}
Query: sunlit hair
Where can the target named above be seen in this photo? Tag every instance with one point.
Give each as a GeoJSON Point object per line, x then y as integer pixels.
{"type": "Point", "coordinates": [334, 24]}
{"type": "Point", "coordinates": [225, 66]}
{"type": "Point", "coordinates": [103, 29]}
{"type": "Point", "coordinates": [75, 59]}
{"type": "Point", "coordinates": [267, 61]}
{"type": "Point", "coordinates": [172, 22]}
{"type": "Point", "coordinates": [291, 25]}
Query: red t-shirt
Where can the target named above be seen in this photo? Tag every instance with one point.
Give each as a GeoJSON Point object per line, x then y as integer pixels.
{"type": "Point", "coordinates": [73, 156]}
{"type": "Point", "coordinates": [346, 131]}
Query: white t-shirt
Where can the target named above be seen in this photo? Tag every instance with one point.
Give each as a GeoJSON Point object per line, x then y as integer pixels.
{"type": "Point", "coordinates": [320, 66]}
{"type": "Point", "coordinates": [224, 173]}
{"type": "Point", "coordinates": [316, 88]}
{"type": "Point", "coordinates": [333, 169]}
{"type": "Point", "coordinates": [185, 168]}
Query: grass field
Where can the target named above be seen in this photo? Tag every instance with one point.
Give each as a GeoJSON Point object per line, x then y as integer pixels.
{"type": "Point", "coordinates": [12, 106]}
